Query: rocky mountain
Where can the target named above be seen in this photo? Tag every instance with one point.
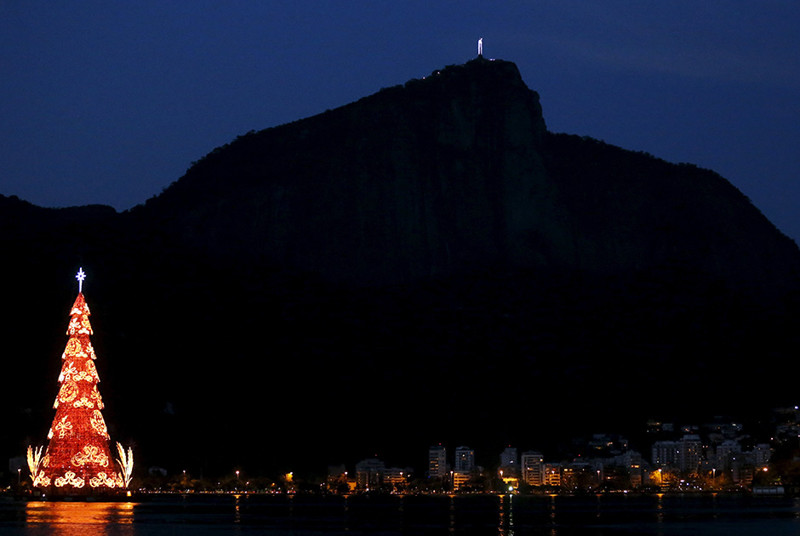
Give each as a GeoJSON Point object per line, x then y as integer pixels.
{"type": "Point", "coordinates": [426, 264]}
{"type": "Point", "coordinates": [457, 172]}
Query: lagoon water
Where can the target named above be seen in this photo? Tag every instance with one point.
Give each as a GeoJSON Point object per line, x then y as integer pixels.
{"type": "Point", "coordinates": [510, 515]}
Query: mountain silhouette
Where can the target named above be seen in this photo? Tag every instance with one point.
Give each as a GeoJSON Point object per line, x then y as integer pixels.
{"type": "Point", "coordinates": [426, 264]}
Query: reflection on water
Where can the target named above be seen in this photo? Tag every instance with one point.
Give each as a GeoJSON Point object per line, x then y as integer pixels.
{"type": "Point", "coordinates": [467, 515]}
{"type": "Point", "coordinates": [660, 509]}
{"type": "Point", "coordinates": [79, 518]}
{"type": "Point", "coordinates": [551, 514]}
{"type": "Point", "coordinates": [237, 516]}
{"type": "Point", "coordinates": [506, 514]}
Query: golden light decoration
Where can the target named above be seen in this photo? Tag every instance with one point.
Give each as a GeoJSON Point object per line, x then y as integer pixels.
{"type": "Point", "coordinates": [103, 480]}
{"type": "Point", "coordinates": [92, 370]}
{"type": "Point", "coordinates": [84, 402]}
{"type": "Point", "coordinates": [64, 427]}
{"type": "Point", "coordinates": [78, 452]}
{"type": "Point", "coordinates": [73, 347]}
{"type": "Point", "coordinates": [97, 398]}
{"type": "Point", "coordinates": [69, 479]}
{"type": "Point", "coordinates": [41, 481]}
{"type": "Point", "coordinates": [125, 462]}
{"type": "Point", "coordinates": [98, 423]}
{"type": "Point", "coordinates": [90, 454]}
{"type": "Point", "coordinates": [34, 461]}
{"type": "Point", "coordinates": [68, 392]}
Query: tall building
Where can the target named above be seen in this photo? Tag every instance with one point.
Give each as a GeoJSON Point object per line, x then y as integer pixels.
{"type": "Point", "coordinates": [437, 461]}
{"type": "Point", "coordinates": [465, 460]}
{"type": "Point", "coordinates": [396, 477]}
{"type": "Point", "coordinates": [369, 473]}
{"type": "Point", "coordinates": [461, 479]}
{"type": "Point", "coordinates": [552, 474]}
{"type": "Point", "coordinates": [509, 462]}
{"type": "Point", "coordinates": [533, 468]}
{"type": "Point", "coordinates": [691, 452]}
{"type": "Point", "coordinates": [762, 453]}
{"type": "Point", "coordinates": [463, 467]}
{"type": "Point", "coordinates": [665, 454]}
{"type": "Point", "coordinates": [724, 454]}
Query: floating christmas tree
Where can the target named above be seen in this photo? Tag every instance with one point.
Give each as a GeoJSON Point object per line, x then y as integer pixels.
{"type": "Point", "coordinates": [78, 458]}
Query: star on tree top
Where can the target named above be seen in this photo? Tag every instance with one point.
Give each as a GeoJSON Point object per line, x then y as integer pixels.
{"type": "Point", "coordinates": [80, 277]}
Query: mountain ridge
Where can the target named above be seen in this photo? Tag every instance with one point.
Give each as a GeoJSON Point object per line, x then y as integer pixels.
{"type": "Point", "coordinates": [429, 246]}
{"type": "Point", "coordinates": [440, 174]}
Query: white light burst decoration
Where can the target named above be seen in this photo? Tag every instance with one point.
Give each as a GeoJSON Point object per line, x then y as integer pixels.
{"type": "Point", "coordinates": [34, 461]}
{"type": "Point", "coordinates": [125, 463]}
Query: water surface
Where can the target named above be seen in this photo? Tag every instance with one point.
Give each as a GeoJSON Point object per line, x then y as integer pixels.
{"type": "Point", "coordinates": [509, 515]}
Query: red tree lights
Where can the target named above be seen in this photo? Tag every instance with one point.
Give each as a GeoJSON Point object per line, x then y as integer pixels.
{"type": "Point", "coordinates": [78, 459]}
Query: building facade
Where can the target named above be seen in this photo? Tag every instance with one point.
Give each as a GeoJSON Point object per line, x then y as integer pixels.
{"type": "Point", "coordinates": [369, 473]}
{"type": "Point", "coordinates": [509, 462]}
{"type": "Point", "coordinates": [533, 468]}
{"type": "Point", "coordinates": [437, 462]}
{"type": "Point", "coordinates": [465, 460]}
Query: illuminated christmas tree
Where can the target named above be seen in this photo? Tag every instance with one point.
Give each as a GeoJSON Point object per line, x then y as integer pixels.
{"type": "Point", "coordinates": [78, 458]}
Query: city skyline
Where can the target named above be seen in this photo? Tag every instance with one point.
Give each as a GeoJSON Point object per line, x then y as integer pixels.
{"type": "Point", "coordinates": [727, 452]}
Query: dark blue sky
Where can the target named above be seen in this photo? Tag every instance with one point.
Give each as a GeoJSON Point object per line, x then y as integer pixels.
{"type": "Point", "coordinates": [109, 102]}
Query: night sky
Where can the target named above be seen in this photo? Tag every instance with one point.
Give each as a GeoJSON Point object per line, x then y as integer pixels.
{"type": "Point", "coordinates": [110, 102]}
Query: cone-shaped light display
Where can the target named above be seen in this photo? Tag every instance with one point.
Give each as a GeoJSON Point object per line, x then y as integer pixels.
{"type": "Point", "coordinates": [78, 458]}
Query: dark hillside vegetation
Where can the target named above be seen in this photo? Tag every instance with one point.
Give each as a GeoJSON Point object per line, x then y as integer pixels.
{"type": "Point", "coordinates": [426, 264]}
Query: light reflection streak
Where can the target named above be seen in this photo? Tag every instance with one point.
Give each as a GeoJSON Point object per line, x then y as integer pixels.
{"type": "Point", "coordinates": [79, 518]}
{"type": "Point", "coordinates": [237, 516]}
{"type": "Point", "coordinates": [451, 527]}
{"type": "Point", "coordinates": [551, 509]}
{"type": "Point", "coordinates": [506, 513]}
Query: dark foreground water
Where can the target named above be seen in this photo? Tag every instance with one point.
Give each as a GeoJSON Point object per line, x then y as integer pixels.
{"type": "Point", "coordinates": [391, 515]}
